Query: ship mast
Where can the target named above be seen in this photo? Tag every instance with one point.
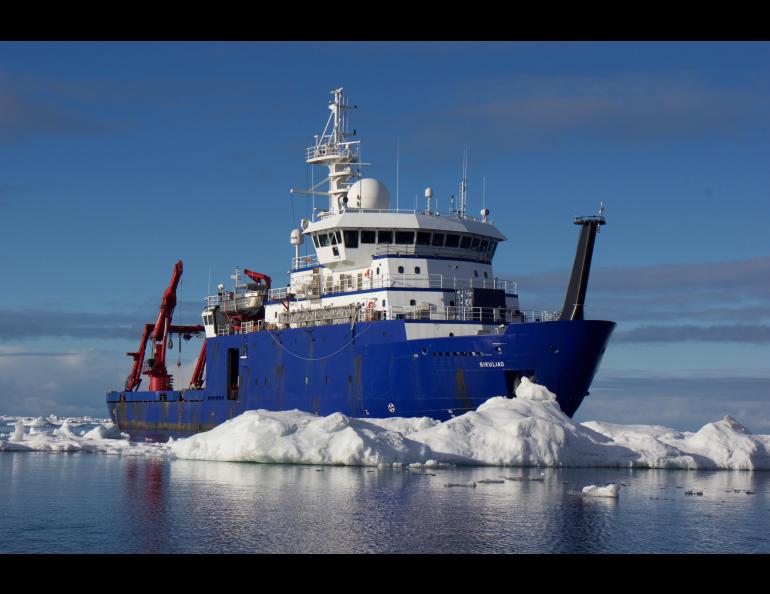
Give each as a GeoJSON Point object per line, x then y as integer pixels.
{"type": "Point", "coordinates": [334, 149]}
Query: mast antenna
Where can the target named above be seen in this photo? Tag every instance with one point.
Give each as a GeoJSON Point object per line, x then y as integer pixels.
{"type": "Point", "coordinates": [334, 149]}
{"type": "Point", "coordinates": [463, 202]}
{"type": "Point", "coordinates": [398, 143]}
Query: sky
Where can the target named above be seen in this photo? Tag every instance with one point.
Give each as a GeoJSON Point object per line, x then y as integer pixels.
{"type": "Point", "coordinates": [119, 158]}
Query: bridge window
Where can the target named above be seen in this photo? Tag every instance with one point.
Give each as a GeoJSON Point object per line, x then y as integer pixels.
{"type": "Point", "coordinates": [384, 236]}
{"type": "Point", "coordinates": [492, 248]}
{"type": "Point", "coordinates": [367, 236]}
{"type": "Point", "coordinates": [351, 239]}
{"type": "Point", "coordinates": [323, 239]}
{"type": "Point", "coordinates": [404, 237]}
{"type": "Point", "coordinates": [423, 238]}
{"type": "Point", "coordinates": [333, 238]}
{"type": "Point", "coordinates": [484, 245]}
{"type": "Point", "coordinates": [315, 241]}
{"type": "Point", "coordinates": [465, 242]}
{"type": "Point", "coordinates": [339, 236]}
{"type": "Point", "coordinates": [475, 243]}
{"type": "Point", "coordinates": [438, 239]}
{"type": "Point", "coordinates": [452, 240]}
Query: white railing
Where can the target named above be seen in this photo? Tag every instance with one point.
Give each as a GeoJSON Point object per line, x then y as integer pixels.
{"type": "Point", "coordinates": [326, 149]}
{"type": "Point", "coordinates": [304, 262]}
{"type": "Point", "coordinates": [325, 285]}
{"type": "Point", "coordinates": [396, 250]}
{"type": "Point", "coordinates": [451, 214]}
{"type": "Point", "coordinates": [533, 315]}
{"type": "Point", "coordinates": [484, 315]}
{"type": "Point", "coordinates": [349, 313]}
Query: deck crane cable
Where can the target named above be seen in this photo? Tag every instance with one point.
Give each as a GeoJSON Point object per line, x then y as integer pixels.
{"type": "Point", "coordinates": [346, 345]}
{"type": "Point", "coordinates": [179, 342]}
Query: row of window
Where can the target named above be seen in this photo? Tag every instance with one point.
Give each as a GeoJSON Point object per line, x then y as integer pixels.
{"type": "Point", "coordinates": [421, 238]}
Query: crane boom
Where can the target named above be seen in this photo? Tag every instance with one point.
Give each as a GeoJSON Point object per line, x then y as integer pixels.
{"type": "Point", "coordinates": [160, 379]}
{"type": "Point", "coordinates": [258, 276]}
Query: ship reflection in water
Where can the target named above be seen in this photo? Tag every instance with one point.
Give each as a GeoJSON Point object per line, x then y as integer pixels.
{"type": "Point", "coordinates": [112, 504]}
{"type": "Point", "coordinates": [235, 507]}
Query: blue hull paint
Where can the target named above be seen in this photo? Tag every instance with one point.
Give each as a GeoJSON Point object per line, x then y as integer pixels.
{"type": "Point", "coordinates": [371, 370]}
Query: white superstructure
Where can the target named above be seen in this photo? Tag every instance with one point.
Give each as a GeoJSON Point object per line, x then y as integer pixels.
{"type": "Point", "coordinates": [372, 262]}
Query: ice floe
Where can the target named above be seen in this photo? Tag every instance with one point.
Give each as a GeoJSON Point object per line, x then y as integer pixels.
{"type": "Point", "coordinates": [82, 434]}
{"type": "Point", "coordinates": [530, 430]}
{"type": "Point", "coordinates": [611, 490]}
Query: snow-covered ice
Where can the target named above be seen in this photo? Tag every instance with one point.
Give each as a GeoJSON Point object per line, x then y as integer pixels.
{"type": "Point", "coordinates": [529, 430]}
{"type": "Point", "coordinates": [81, 434]}
{"type": "Point", "coordinates": [299, 437]}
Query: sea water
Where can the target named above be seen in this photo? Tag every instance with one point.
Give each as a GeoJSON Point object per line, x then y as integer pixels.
{"type": "Point", "coordinates": [96, 503]}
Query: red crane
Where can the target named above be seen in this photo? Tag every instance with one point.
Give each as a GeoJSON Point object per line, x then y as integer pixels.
{"type": "Point", "coordinates": [258, 276]}
{"type": "Point", "coordinates": [160, 379]}
{"type": "Point", "coordinates": [196, 381]}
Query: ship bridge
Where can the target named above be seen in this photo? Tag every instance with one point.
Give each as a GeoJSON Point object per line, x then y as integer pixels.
{"type": "Point", "coordinates": [351, 240]}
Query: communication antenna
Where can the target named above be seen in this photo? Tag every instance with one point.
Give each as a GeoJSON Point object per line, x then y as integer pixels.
{"type": "Point", "coordinates": [484, 193]}
{"type": "Point", "coordinates": [464, 186]}
{"type": "Point", "coordinates": [398, 142]}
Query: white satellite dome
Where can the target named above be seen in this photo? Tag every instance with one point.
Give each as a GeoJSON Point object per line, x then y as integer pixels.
{"type": "Point", "coordinates": [368, 193]}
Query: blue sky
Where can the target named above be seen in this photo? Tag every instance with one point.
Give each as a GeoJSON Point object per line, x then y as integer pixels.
{"type": "Point", "coordinates": [117, 159]}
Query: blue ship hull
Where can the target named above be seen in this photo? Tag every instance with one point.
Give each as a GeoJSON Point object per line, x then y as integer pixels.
{"type": "Point", "coordinates": [371, 369]}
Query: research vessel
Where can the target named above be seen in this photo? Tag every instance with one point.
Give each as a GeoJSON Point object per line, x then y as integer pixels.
{"type": "Point", "coordinates": [397, 313]}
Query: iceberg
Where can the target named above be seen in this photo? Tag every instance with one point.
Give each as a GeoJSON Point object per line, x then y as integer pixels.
{"type": "Point", "coordinates": [527, 431]}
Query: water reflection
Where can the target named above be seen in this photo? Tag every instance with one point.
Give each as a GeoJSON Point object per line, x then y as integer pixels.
{"type": "Point", "coordinates": [80, 503]}
{"type": "Point", "coordinates": [146, 504]}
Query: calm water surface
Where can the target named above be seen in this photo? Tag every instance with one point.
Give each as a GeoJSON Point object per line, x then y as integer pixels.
{"type": "Point", "coordinates": [92, 503]}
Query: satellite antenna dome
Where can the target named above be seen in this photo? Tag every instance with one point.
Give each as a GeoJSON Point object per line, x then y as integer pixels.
{"type": "Point", "coordinates": [296, 237]}
{"type": "Point", "coordinates": [484, 214]}
{"type": "Point", "coordinates": [304, 224]}
{"type": "Point", "coordinates": [369, 193]}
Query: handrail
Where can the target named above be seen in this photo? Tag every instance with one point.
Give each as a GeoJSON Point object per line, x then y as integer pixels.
{"type": "Point", "coordinates": [349, 313]}
{"type": "Point", "coordinates": [324, 285]}
{"type": "Point", "coordinates": [429, 250]}
{"type": "Point", "coordinates": [450, 214]}
{"type": "Point", "coordinates": [304, 262]}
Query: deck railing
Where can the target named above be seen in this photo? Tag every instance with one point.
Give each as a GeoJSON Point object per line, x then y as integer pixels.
{"type": "Point", "coordinates": [324, 285]}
